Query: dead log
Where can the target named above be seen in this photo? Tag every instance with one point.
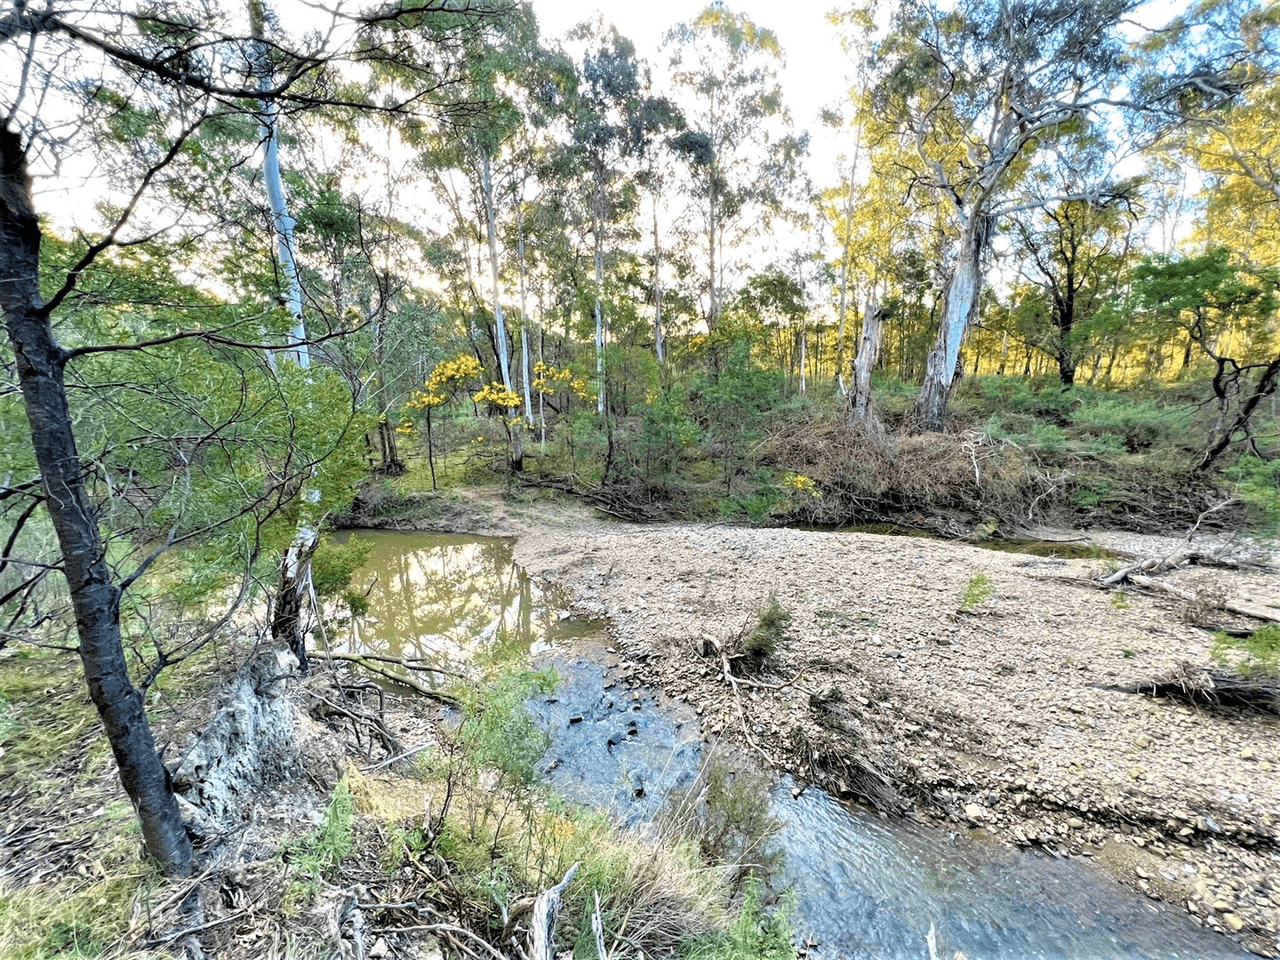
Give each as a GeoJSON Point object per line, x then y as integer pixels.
{"type": "Point", "coordinates": [1230, 556]}
{"type": "Point", "coordinates": [542, 925]}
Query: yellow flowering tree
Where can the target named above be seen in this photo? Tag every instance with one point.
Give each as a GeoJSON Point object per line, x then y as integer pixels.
{"type": "Point", "coordinates": [441, 386]}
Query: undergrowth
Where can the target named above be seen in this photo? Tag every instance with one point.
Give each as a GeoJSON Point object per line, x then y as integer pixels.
{"type": "Point", "coordinates": [1254, 656]}
{"type": "Point", "coordinates": [1017, 450]}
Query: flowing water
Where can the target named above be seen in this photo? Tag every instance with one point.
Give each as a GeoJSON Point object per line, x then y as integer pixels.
{"type": "Point", "coordinates": [865, 887]}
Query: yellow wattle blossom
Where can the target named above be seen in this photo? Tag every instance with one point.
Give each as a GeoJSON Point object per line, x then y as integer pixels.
{"type": "Point", "coordinates": [446, 375]}
{"type": "Point", "coordinates": [802, 484]}
{"type": "Point", "coordinates": [549, 380]}
{"type": "Point", "coordinates": [498, 395]}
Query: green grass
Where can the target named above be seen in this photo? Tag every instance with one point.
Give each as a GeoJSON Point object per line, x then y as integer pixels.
{"type": "Point", "coordinates": [977, 592]}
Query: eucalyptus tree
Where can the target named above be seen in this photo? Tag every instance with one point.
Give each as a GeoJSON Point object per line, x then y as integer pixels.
{"type": "Point", "coordinates": [978, 88]}
{"type": "Point", "coordinates": [873, 222]}
{"type": "Point", "coordinates": [511, 79]}
{"type": "Point", "coordinates": [615, 123]}
{"type": "Point", "coordinates": [740, 149]}
{"type": "Point", "coordinates": [1073, 241]}
{"type": "Point", "coordinates": [1231, 313]}
{"type": "Point", "coordinates": [154, 77]}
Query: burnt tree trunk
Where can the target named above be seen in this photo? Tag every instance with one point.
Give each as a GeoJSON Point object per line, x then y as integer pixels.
{"type": "Point", "coordinates": [95, 596]}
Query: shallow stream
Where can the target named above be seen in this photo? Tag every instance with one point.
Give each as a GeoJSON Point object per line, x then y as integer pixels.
{"type": "Point", "coordinates": [865, 887]}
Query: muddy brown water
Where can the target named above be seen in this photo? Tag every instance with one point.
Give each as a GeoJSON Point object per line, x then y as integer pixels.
{"type": "Point", "coordinates": [864, 887]}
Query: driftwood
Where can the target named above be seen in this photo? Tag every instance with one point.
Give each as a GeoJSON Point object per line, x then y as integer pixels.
{"type": "Point", "coordinates": [1228, 556]}
{"type": "Point", "coordinates": [542, 925]}
{"type": "Point", "coordinates": [843, 774]}
{"type": "Point", "coordinates": [1201, 686]}
{"type": "Point", "coordinates": [1254, 610]}
{"type": "Point", "coordinates": [1139, 574]}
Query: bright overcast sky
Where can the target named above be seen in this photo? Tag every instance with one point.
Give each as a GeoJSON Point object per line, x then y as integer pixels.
{"type": "Point", "coordinates": [816, 72]}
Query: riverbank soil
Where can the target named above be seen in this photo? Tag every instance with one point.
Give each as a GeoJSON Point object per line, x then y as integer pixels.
{"type": "Point", "coordinates": [961, 685]}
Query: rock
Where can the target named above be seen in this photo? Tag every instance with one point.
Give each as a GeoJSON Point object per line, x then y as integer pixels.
{"type": "Point", "coordinates": [1075, 823]}
{"type": "Point", "coordinates": [1247, 753]}
{"type": "Point", "coordinates": [976, 811]}
{"type": "Point", "coordinates": [1232, 921]}
{"type": "Point", "coordinates": [379, 948]}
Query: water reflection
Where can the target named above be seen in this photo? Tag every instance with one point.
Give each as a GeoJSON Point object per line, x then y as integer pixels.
{"type": "Point", "coordinates": [452, 599]}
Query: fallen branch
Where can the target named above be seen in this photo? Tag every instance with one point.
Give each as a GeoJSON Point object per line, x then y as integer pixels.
{"type": "Point", "coordinates": [415, 685]}
{"type": "Point", "coordinates": [1224, 556]}
{"type": "Point", "coordinates": [543, 922]}
{"type": "Point", "coordinates": [1254, 610]}
{"type": "Point", "coordinates": [396, 759]}
{"type": "Point", "coordinates": [408, 663]}
{"type": "Point", "coordinates": [737, 699]}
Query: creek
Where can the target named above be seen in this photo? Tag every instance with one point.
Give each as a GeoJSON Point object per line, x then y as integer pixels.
{"type": "Point", "coordinates": [864, 887]}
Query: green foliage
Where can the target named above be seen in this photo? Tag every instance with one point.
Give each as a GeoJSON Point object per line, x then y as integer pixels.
{"type": "Point", "coordinates": [319, 854]}
{"type": "Point", "coordinates": [770, 630]}
{"type": "Point", "coordinates": [1140, 422]}
{"type": "Point", "coordinates": [497, 731]}
{"type": "Point", "coordinates": [1258, 484]}
{"type": "Point", "coordinates": [754, 933]}
{"type": "Point", "coordinates": [731, 402]}
{"type": "Point", "coordinates": [977, 592]}
{"type": "Point", "coordinates": [1257, 655]}
{"type": "Point", "coordinates": [725, 812]}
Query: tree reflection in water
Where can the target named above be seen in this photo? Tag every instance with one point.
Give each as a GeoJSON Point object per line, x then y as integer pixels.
{"type": "Point", "coordinates": [452, 599]}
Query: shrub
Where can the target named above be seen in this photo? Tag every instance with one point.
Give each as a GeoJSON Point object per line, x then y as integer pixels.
{"type": "Point", "coordinates": [753, 934]}
{"type": "Point", "coordinates": [770, 630]}
{"type": "Point", "coordinates": [1139, 423]}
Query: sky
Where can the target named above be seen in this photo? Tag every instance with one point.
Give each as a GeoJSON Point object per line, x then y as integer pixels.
{"type": "Point", "coordinates": [817, 72]}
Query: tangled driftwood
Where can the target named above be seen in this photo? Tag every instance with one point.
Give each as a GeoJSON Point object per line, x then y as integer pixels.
{"type": "Point", "coordinates": [1202, 686]}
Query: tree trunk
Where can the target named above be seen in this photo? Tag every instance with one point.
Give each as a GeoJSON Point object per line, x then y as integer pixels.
{"type": "Point", "coordinates": [294, 576]}
{"type": "Point", "coordinates": [845, 265]}
{"type": "Point", "coordinates": [95, 597]}
{"type": "Point", "coordinates": [524, 316]}
{"type": "Point", "coordinates": [804, 351]}
{"type": "Point", "coordinates": [713, 303]}
{"type": "Point", "coordinates": [958, 312]}
{"type": "Point", "coordinates": [658, 347]}
{"type": "Point", "coordinates": [491, 229]}
{"type": "Point", "coordinates": [598, 258]}
{"type": "Point", "coordinates": [861, 410]}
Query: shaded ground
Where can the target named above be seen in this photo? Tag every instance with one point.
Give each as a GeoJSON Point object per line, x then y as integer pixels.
{"type": "Point", "coordinates": [1001, 718]}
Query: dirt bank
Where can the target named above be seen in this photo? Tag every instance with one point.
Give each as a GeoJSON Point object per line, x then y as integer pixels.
{"type": "Point", "coordinates": [1002, 718]}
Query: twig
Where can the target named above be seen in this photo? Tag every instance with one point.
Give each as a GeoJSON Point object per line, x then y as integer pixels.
{"type": "Point", "coordinates": [204, 926]}
{"type": "Point", "coordinates": [742, 713]}
{"type": "Point", "coordinates": [447, 928]}
{"type": "Point", "coordinates": [396, 759]}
